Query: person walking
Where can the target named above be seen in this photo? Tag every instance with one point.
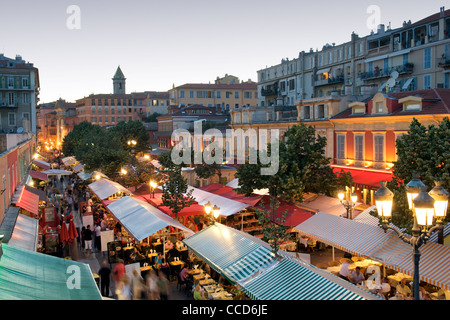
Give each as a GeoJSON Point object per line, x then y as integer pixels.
{"type": "Point", "coordinates": [118, 271]}
{"type": "Point", "coordinates": [163, 286]}
{"type": "Point", "coordinates": [88, 239]}
{"type": "Point", "coordinates": [105, 277]}
{"type": "Point", "coordinates": [98, 233]}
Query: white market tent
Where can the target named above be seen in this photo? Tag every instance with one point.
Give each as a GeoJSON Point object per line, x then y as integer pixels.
{"type": "Point", "coordinates": [105, 188]}
{"type": "Point", "coordinates": [227, 206]}
{"type": "Point", "coordinates": [235, 185]}
{"type": "Point", "coordinates": [141, 219]}
{"type": "Point", "coordinates": [25, 233]}
{"type": "Point", "coordinates": [57, 172]}
{"type": "Point", "coordinates": [69, 161]}
{"type": "Point", "coordinates": [78, 168]}
{"type": "Point", "coordinates": [84, 175]}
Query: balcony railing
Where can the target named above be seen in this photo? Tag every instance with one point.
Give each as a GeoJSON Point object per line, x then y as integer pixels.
{"type": "Point", "coordinates": [444, 62]}
{"type": "Point", "coordinates": [384, 73]}
{"type": "Point", "coordinates": [325, 82]}
{"type": "Point", "coordinates": [269, 92]}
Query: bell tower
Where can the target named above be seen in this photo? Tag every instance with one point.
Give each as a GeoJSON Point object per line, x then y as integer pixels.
{"type": "Point", "coordinates": [119, 82]}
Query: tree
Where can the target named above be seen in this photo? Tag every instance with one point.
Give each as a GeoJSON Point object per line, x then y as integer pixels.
{"type": "Point", "coordinates": [303, 167]}
{"type": "Point", "coordinates": [73, 139]}
{"type": "Point", "coordinates": [152, 118]}
{"type": "Point", "coordinates": [272, 222]}
{"type": "Point", "coordinates": [131, 130]}
{"type": "Point", "coordinates": [174, 192]}
{"type": "Point", "coordinates": [425, 151]}
{"type": "Point", "coordinates": [138, 173]}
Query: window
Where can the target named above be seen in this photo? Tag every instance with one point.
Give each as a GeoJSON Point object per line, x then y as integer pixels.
{"type": "Point", "coordinates": [25, 83]}
{"type": "Point", "coordinates": [247, 95]}
{"type": "Point", "coordinates": [341, 146]}
{"type": "Point", "coordinates": [93, 119]}
{"type": "Point", "coordinates": [227, 94]}
{"type": "Point", "coordinates": [25, 97]}
{"type": "Point", "coordinates": [446, 82]}
{"type": "Point", "coordinates": [10, 82]}
{"type": "Point", "coordinates": [182, 94]}
{"type": "Point", "coordinates": [379, 148]}
{"type": "Point", "coordinates": [112, 102]}
{"type": "Point", "coordinates": [119, 102]}
{"type": "Point", "coordinates": [218, 95]}
{"type": "Point", "coordinates": [427, 81]}
{"type": "Point", "coordinates": [99, 102]}
{"type": "Point", "coordinates": [379, 107]}
{"type": "Point", "coordinates": [99, 119]}
{"type": "Point", "coordinates": [11, 119]}
{"type": "Point", "coordinates": [307, 112]}
{"type": "Point", "coordinates": [106, 102]}
{"type": "Point", "coordinates": [236, 94]}
{"type": "Point", "coordinates": [99, 110]}
{"type": "Point", "coordinates": [321, 111]}
{"type": "Point", "coordinates": [26, 115]}
{"type": "Point", "coordinates": [113, 119]}
{"type": "Point", "coordinates": [359, 147]}
{"type": "Point", "coordinates": [11, 98]}
{"type": "Point", "coordinates": [106, 119]}
{"type": "Point", "coordinates": [113, 110]}
{"type": "Point", "coordinates": [291, 84]}
{"type": "Point", "coordinates": [191, 94]}
{"type": "Point", "coordinates": [93, 110]}
{"type": "Point", "coordinates": [427, 58]}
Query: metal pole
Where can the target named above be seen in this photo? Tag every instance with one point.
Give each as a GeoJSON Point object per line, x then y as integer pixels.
{"type": "Point", "coordinates": [416, 271]}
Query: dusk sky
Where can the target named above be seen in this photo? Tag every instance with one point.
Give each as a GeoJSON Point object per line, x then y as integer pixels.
{"type": "Point", "coordinates": [161, 43]}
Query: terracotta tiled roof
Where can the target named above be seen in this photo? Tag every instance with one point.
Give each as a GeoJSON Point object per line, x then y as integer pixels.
{"type": "Point", "coordinates": [431, 18]}
{"type": "Point", "coordinates": [435, 101]}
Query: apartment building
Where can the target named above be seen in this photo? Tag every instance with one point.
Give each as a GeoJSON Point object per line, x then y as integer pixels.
{"type": "Point", "coordinates": [415, 56]}
{"type": "Point", "coordinates": [226, 93]}
{"type": "Point", "coordinates": [19, 88]}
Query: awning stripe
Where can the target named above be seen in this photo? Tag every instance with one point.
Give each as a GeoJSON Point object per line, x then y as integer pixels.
{"type": "Point", "coordinates": [28, 201]}
{"type": "Point", "coordinates": [372, 242]}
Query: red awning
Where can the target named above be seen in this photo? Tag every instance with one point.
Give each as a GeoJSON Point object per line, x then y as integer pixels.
{"type": "Point", "coordinates": [294, 214]}
{"type": "Point", "coordinates": [228, 192]}
{"type": "Point", "coordinates": [41, 164]}
{"type": "Point", "coordinates": [28, 201]}
{"type": "Point", "coordinates": [366, 177]}
{"type": "Point", "coordinates": [38, 175]}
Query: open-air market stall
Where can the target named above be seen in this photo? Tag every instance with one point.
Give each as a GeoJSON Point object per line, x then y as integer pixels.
{"type": "Point", "coordinates": [105, 188]}
{"type": "Point", "coordinates": [19, 231]}
{"type": "Point", "coordinates": [78, 168]}
{"type": "Point", "coordinates": [41, 164]}
{"type": "Point", "coordinates": [69, 161]}
{"type": "Point", "coordinates": [57, 172]}
{"type": "Point", "coordinates": [27, 275]}
{"type": "Point", "coordinates": [362, 239]}
{"type": "Point", "coordinates": [95, 175]}
{"type": "Point", "coordinates": [248, 262]}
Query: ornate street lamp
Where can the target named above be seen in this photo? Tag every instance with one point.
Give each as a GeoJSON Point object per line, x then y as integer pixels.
{"type": "Point", "coordinates": [350, 204]}
{"type": "Point", "coordinates": [153, 186]}
{"type": "Point", "coordinates": [423, 206]}
{"type": "Point", "coordinates": [208, 207]}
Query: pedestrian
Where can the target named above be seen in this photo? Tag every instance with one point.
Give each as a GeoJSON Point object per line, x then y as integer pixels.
{"type": "Point", "coordinates": [118, 271]}
{"type": "Point", "coordinates": [123, 290]}
{"type": "Point", "coordinates": [152, 285]}
{"type": "Point", "coordinates": [163, 286]}
{"type": "Point", "coordinates": [83, 229]}
{"type": "Point", "coordinates": [88, 239]}
{"type": "Point", "coordinates": [137, 286]}
{"type": "Point", "coordinates": [105, 277]}
{"type": "Point", "coordinates": [98, 233]}
{"type": "Point", "coordinates": [344, 272]}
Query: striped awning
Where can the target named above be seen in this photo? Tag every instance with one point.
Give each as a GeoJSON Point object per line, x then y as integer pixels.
{"type": "Point", "coordinates": [38, 175]}
{"type": "Point", "coordinates": [233, 255]}
{"type": "Point", "coordinates": [41, 164]}
{"type": "Point", "coordinates": [28, 201]}
{"type": "Point", "coordinates": [288, 280]}
{"type": "Point", "coordinates": [105, 188]}
{"type": "Point", "coordinates": [246, 260]}
{"type": "Point", "coordinates": [141, 219]}
{"type": "Point", "coordinates": [368, 240]}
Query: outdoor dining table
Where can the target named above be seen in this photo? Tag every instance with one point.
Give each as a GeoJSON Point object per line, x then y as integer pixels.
{"type": "Point", "coordinates": [395, 279]}
{"type": "Point", "coordinates": [194, 271]}
{"type": "Point", "coordinates": [199, 276]}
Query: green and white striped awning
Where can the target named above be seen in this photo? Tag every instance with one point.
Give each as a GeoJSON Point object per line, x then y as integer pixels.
{"type": "Point", "coordinates": [250, 262]}
{"type": "Point", "coordinates": [289, 280]}
{"type": "Point", "coordinates": [233, 255]}
{"type": "Point", "coordinates": [28, 275]}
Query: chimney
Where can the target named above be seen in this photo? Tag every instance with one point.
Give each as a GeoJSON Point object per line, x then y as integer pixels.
{"type": "Point", "coordinates": [381, 28]}
{"type": "Point", "coordinates": [442, 12]}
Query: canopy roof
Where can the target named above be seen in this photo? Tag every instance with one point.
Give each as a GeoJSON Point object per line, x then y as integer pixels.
{"type": "Point", "coordinates": [317, 203]}
{"type": "Point", "coordinates": [25, 233]}
{"type": "Point", "coordinates": [28, 201]}
{"type": "Point", "coordinates": [38, 175]}
{"type": "Point", "coordinates": [104, 188]}
{"type": "Point", "coordinates": [227, 206]}
{"type": "Point", "coordinates": [57, 172]}
{"type": "Point", "coordinates": [235, 185]}
{"type": "Point", "coordinates": [366, 177]}
{"type": "Point", "coordinates": [140, 218]}
{"type": "Point", "coordinates": [27, 275]}
{"type": "Point", "coordinates": [230, 193]}
{"type": "Point", "coordinates": [369, 240]}
{"type": "Point", "coordinates": [250, 262]}
{"type": "Point", "coordinates": [41, 164]}
{"type": "Point", "coordinates": [84, 175]}
{"type": "Point", "coordinates": [78, 168]}
{"type": "Point", "coordinates": [69, 161]}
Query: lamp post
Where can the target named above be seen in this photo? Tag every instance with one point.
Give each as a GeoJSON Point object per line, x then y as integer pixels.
{"type": "Point", "coordinates": [152, 188]}
{"type": "Point", "coordinates": [425, 210]}
{"type": "Point", "coordinates": [349, 204]}
{"type": "Point", "coordinates": [212, 213]}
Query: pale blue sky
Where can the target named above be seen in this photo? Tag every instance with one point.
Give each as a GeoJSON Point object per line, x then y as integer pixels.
{"type": "Point", "coordinates": [160, 43]}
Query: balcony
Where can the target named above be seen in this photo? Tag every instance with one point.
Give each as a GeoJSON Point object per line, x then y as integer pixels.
{"type": "Point", "coordinates": [324, 82]}
{"type": "Point", "coordinates": [444, 62]}
{"type": "Point", "coordinates": [269, 92]}
{"type": "Point", "coordinates": [386, 73]}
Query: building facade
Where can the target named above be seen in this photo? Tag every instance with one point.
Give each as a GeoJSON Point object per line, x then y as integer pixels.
{"type": "Point", "coordinates": [19, 88]}
{"type": "Point", "coordinates": [226, 93]}
{"type": "Point", "coordinates": [415, 56]}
